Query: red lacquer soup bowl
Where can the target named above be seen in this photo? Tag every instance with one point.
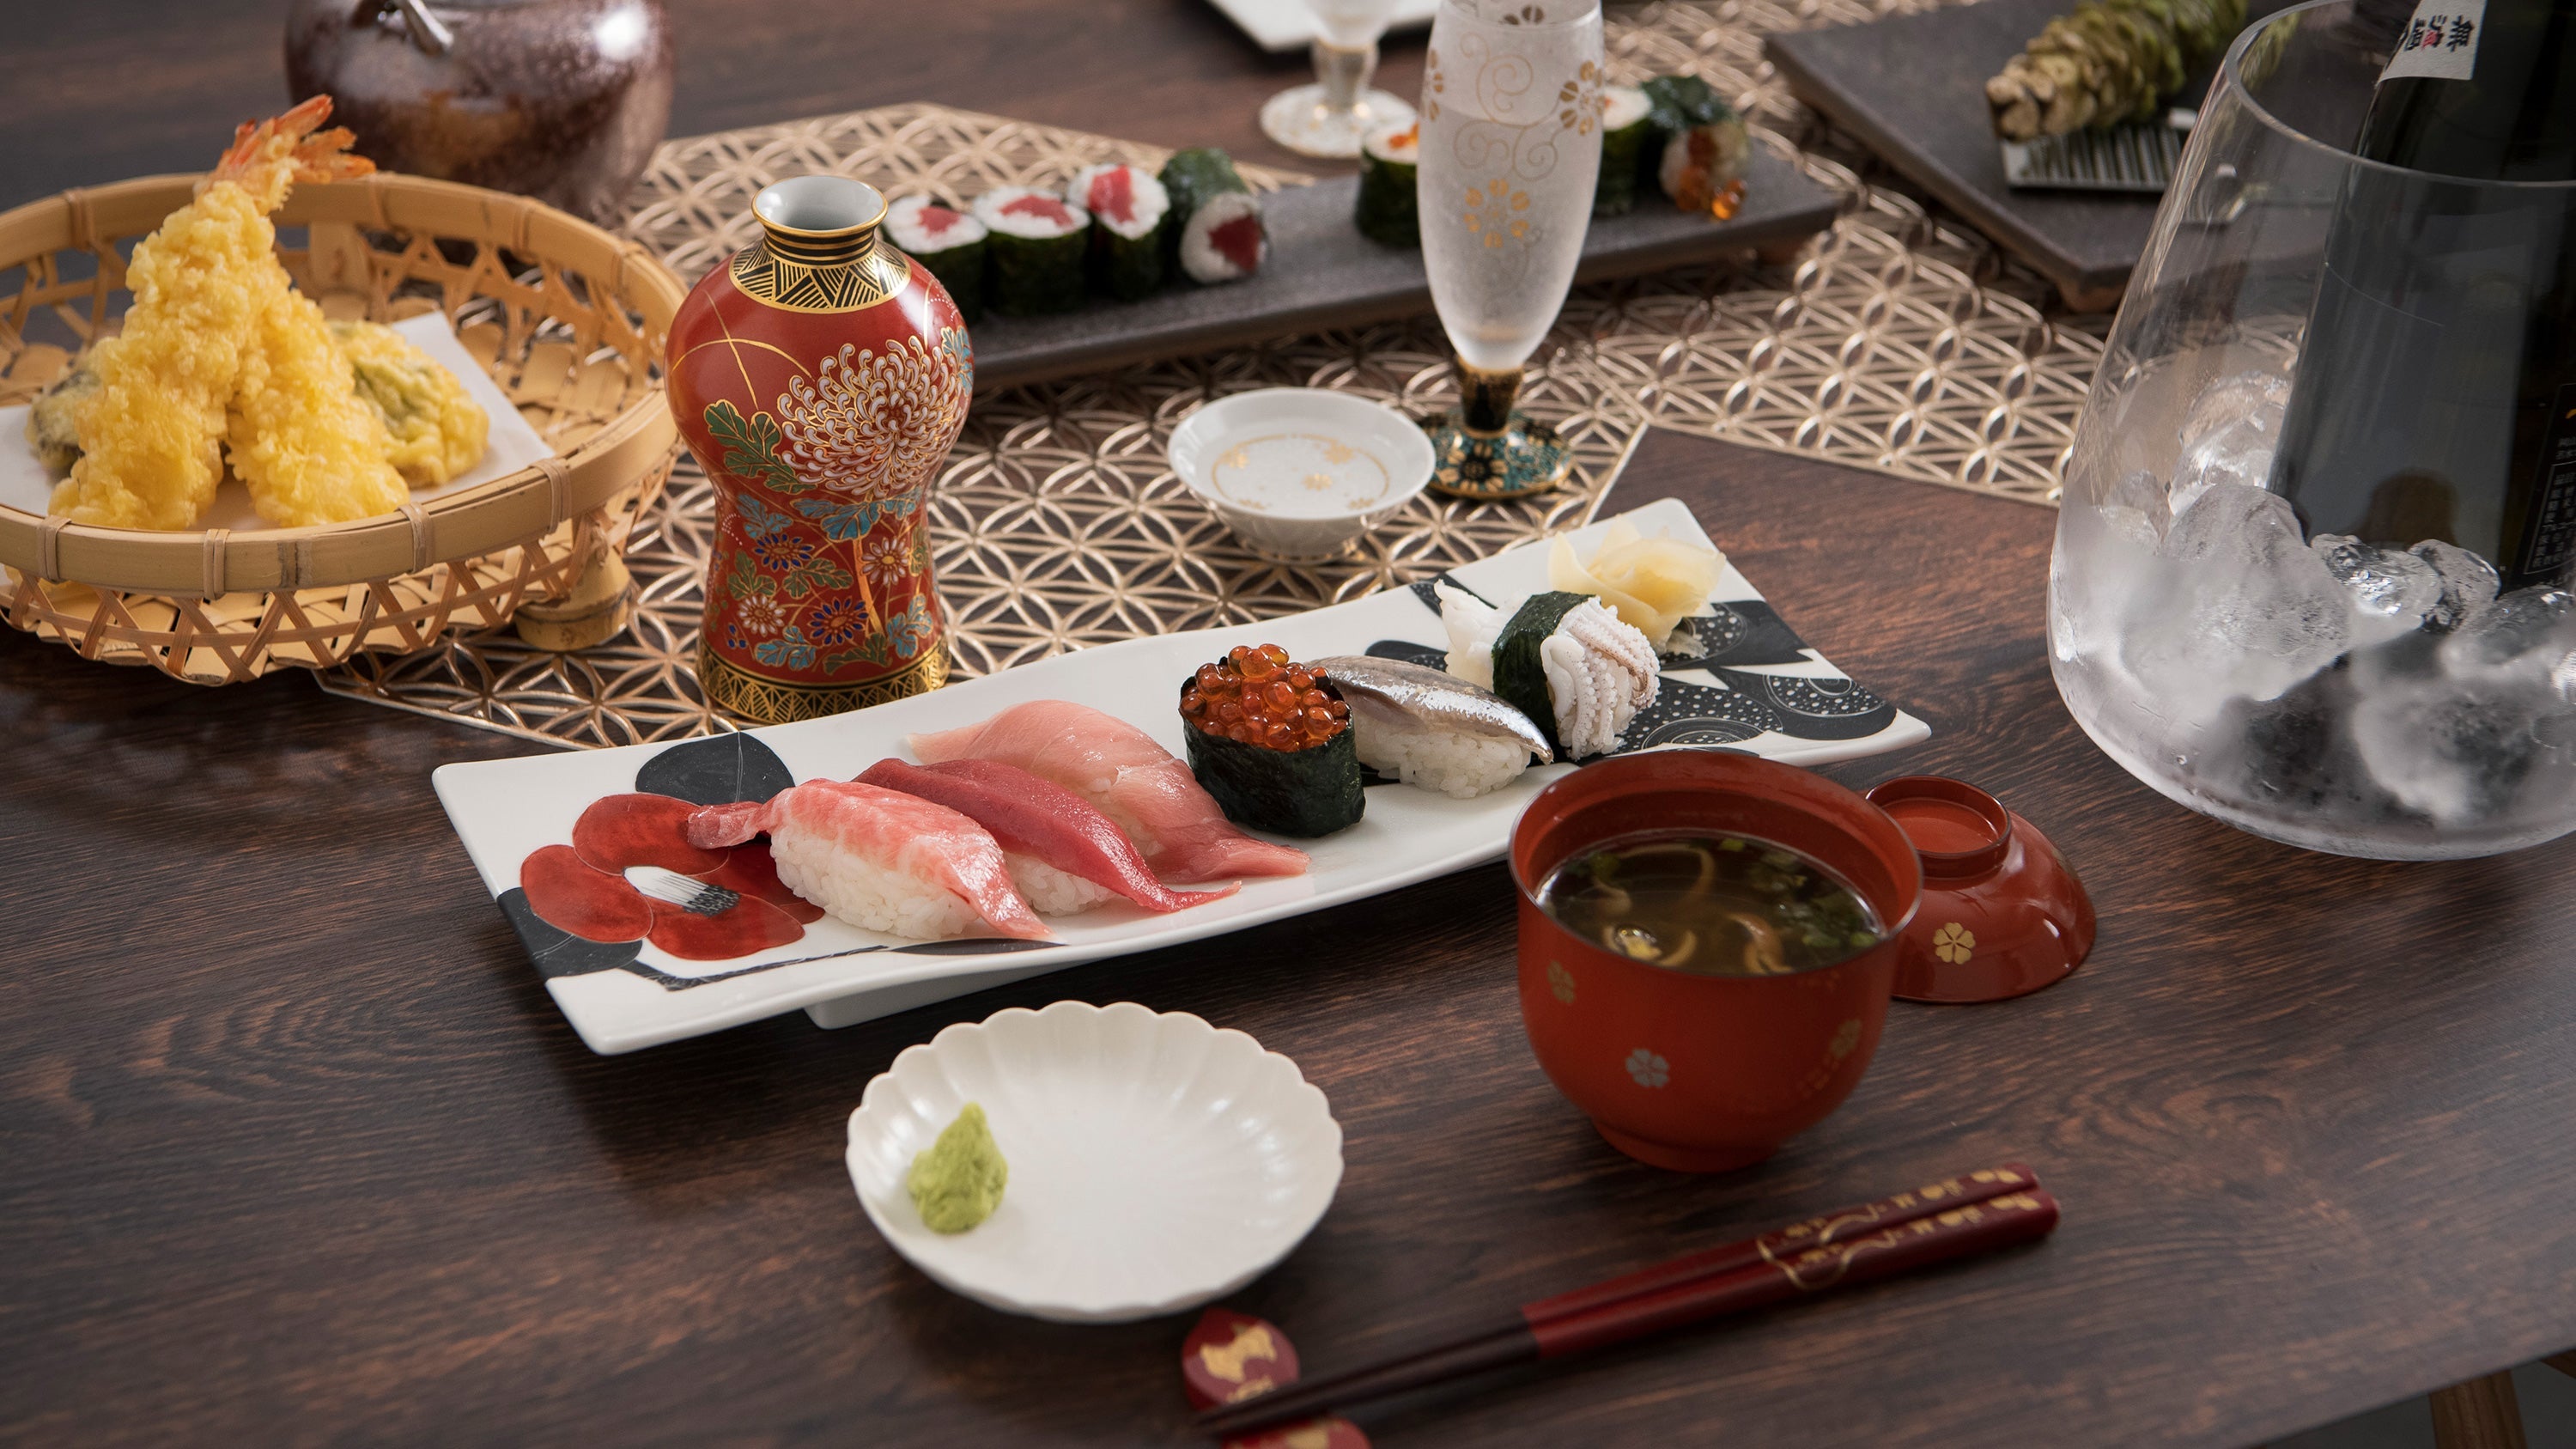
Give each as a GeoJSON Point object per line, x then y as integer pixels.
{"type": "Point", "coordinates": [1696, 1072]}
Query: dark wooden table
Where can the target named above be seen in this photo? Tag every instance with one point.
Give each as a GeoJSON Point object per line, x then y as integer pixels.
{"type": "Point", "coordinates": [294, 1147]}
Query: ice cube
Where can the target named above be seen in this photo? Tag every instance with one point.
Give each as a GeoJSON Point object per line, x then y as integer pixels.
{"type": "Point", "coordinates": [2239, 453]}
{"type": "Point", "coordinates": [2139, 495]}
{"type": "Point", "coordinates": [2295, 756]}
{"type": "Point", "coordinates": [2391, 592]}
{"type": "Point", "coordinates": [2468, 581]}
{"type": "Point", "coordinates": [2528, 633]}
{"type": "Point", "coordinates": [2255, 397]}
{"type": "Point", "coordinates": [2244, 608]}
{"type": "Point", "coordinates": [2458, 752]}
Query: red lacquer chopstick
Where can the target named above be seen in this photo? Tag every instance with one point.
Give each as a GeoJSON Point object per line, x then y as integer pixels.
{"type": "Point", "coordinates": [1959, 1218]}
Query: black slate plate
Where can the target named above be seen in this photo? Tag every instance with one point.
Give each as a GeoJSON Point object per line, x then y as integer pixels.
{"type": "Point", "coordinates": [1912, 89]}
{"type": "Point", "coordinates": [1323, 274]}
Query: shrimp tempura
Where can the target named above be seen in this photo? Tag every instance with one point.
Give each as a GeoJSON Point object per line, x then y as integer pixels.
{"type": "Point", "coordinates": [218, 340]}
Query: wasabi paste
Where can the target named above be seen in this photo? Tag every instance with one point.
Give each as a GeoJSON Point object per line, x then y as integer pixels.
{"type": "Point", "coordinates": [958, 1182]}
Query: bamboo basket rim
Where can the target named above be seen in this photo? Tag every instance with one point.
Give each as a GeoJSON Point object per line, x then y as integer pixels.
{"type": "Point", "coordinates": [483, 519]}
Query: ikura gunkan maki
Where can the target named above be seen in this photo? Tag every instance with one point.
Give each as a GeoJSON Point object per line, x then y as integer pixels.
{"type": "Point", "coordinates": [1625, 134]}
{"type": "Point", "coordinates": [1217, 231]}
{"type": "Point", "coordinates": [950, 243]}
{"type": "Point", "coordinates": [1271, 740]}
{"type": "Point", "coordinates": [1037, 244]}
{"type": "Point", "coordinates": [1129, 211]}
{"type": "Point", "coordinates": [1389, 211]}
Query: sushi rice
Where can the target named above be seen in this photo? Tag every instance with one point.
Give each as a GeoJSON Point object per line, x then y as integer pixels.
{"type": "Point", "coordinates": [1052, 892]}
{"type": "Point", "coordinates": [868, 896]}
{"type": "Point", "coordinates": [1457, 765]}
{"type": "Point", "coordinates": [1221, 235]}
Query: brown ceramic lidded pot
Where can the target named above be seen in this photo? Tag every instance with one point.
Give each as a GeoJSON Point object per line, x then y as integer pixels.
{"type": "Point", "coordinates": [562, 100]}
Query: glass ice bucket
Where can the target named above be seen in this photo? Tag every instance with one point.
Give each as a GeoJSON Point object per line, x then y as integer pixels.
{"type": "Point", "coordinates": [2311, 565]}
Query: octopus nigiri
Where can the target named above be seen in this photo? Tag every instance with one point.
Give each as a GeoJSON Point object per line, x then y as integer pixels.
{"type": "Point", "coordinates": [879, 859]}
{"type": "Point", "coordinates": [1152, 797]}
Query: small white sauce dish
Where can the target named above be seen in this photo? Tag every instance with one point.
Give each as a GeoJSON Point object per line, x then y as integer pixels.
{"type": "Point", "coordinates": [1156, 1162]}
{"type": "Point", "coordinates": [1300, 472]}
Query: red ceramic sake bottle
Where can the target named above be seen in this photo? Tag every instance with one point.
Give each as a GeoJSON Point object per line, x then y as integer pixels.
{"type": "Point", "coordinates": [820, 377]}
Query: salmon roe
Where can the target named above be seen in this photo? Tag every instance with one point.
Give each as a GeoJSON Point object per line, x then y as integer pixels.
{"type": "Point", "coordinates": [1256, 696]}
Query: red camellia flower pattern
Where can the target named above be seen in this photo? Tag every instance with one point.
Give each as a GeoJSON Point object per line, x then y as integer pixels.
{"type": "Point", "coordinates": [698, 905]}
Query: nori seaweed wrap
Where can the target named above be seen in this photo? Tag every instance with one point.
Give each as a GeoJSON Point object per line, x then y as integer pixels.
{"type": "Point", "coordinates": [1036, 247]}
{"type": "Point", "coordinates": [1130, 211]}
{"type": "Point", "coordinates": [1216, 230]}
{"type": "Point", "coordinates": [1674, 104]}
{"type": "Point", "coordinates": [1518, 676]}
{"type": "Point", "coordinates": [949, 244]}
{"type": "Point", "coordinates": [1389, 208]}
{"type": "Point", "coordinates": [1272, 742]}
{"type": "Point", "coordinates": [1626, 127]}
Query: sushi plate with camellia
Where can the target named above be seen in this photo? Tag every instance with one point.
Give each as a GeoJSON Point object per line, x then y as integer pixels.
{"type": "Point", "coordinates": [1132, 796]}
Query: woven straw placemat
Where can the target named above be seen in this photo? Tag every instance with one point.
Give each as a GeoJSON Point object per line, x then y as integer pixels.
{"type": "Point", "coordinates": [1899, 341]}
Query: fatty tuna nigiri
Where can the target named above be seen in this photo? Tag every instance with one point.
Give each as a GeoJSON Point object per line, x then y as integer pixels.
{"type": "Point", "coordinates": [879, 859]}
{"type": "Point", "coordinates": [1174, 822]}
{"type": "Point", "coordinates": [1064, 855]}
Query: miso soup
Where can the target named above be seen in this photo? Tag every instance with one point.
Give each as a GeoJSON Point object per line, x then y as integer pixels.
{"type": "Point", "coordinates": [1720, 905]}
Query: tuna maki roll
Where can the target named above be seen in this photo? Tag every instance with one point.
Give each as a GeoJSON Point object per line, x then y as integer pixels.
{"type": "Point", "coordinates": [1036, 245]}
{"type": "Point", "coordinates": [1217, 232]}
{"type": "Point", "coordinates": [949, 243]}
{"type": "Point", "coordinates": [1272, 741]}
{"type": "Point", "coordinates": [1129, 211]}
{"type": "Point", "coordinates": [1625, 132]}
{"type": "Point", "coordinates": [1389, 210]}
{"type": "Point", "coordinates": [1575, 668]}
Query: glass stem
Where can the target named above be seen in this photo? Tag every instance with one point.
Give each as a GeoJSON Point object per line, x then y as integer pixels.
{"type": "Point", "coordinates": [1344, 71]}
{"type": "Point", "coordinates": [1485, 398]}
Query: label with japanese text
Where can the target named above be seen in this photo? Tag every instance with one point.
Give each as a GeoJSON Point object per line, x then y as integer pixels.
{"type": "Point", "coordinates": [2441, 41]}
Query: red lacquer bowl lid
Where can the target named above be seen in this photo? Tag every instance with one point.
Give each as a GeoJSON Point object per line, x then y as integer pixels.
{"type": "Point", "coordinates": [2002, 915]}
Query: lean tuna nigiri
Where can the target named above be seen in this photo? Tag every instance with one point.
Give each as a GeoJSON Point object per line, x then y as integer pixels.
{"type": "Point", "coordinates": [1064, 855]}
{"type": "Point", "coordinates": [879, 859]}
{"type": "Point", "coordinates": [1174, 822]}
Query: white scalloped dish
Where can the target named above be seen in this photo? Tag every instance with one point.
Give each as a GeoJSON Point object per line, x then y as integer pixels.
{"type": "Point", "coordinates": [1156, 1162]}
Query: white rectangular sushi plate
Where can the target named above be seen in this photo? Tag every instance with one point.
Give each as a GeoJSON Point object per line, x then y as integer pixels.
{"type": "Point", "coordinates": [505, 809]}
{"type": "Point", "coordinates": [1284, 25]}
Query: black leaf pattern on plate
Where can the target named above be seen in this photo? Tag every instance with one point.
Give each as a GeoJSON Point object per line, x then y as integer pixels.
{"type": "Point", "coordinates": [1747, 631]}
{"type": "Point", "coordinates": [973, 946]}
{"type": "Point", "coordinates": [1426, 655]}
{"type": "Point", "coordinates": [1431, 600]}
{"type": "Point", "coordinates": [559, 952]}
{"type": "Point", "coordinates": [716, 770]}
{"type": "Point", "coordinates": [1815, 709]}
{"type": "Point", "coordinates": [1697, 714]}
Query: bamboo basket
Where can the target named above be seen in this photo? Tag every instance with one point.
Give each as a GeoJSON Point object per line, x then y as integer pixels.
{"type": "Point", "coordinates": [569, 320]}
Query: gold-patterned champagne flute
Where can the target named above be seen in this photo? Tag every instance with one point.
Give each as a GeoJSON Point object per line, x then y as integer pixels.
{"type": "Point", "coordinates": [1510, 149]}
{"type": "Point", "coordinates": [1331, 116]}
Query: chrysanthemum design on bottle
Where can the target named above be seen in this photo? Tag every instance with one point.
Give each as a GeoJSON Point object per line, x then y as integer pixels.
{"type": "Point", "coordinates": [820, 376]}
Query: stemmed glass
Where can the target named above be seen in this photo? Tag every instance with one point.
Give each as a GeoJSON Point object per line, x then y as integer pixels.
{"type": "Point", "coordinates": [1510, 149]}
{"type": "Point", "coordinates": [1332, 116]}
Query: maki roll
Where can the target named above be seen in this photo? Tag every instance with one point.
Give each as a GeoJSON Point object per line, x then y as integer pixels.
{"type": "Point", "coordinates": [1626, 131]}
{"type": "Point", "coordinates": [1572, 666]}
{"type": "Point", "coordinates": [1697, 153]}
{"type": "Point", "coordinates": [1036, 244]}
{"type": "Point", "coordinates": [1389, 210]}
{"type": "Point", "coordinates": [1431, 730]}
{"type": "Point", "coordinates": [1272, 741]}
{"type": "Point", "coordinates": [1129, 210]}
{"type": "Point", "coordinates": [950, 244]}
{"type": "Point", "coordinates": [1217, 233]}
